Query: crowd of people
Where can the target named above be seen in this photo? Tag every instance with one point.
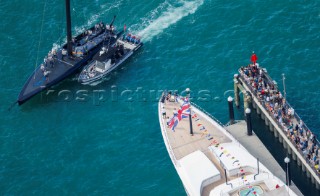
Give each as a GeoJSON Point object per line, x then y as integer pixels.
{"type": "Point", "coordinates": [272, 99]}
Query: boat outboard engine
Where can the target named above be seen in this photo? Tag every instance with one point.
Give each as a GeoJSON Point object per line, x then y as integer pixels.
{"type": "Point", "coordinates": [113, 60]}
{"type": "Point", "coordinates": [117, 55]}
{"type": "Point", "coordinates": [121, 50]}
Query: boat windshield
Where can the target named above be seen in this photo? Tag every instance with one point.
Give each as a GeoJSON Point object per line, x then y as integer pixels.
{"type": "Point", "coordinates": [99, 65]}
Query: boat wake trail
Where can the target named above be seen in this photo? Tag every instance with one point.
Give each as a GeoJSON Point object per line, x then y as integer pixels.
{"type": "Point", "coordinates": [166, 14]}
{"type": "Point", "coordinates": [100, 16]}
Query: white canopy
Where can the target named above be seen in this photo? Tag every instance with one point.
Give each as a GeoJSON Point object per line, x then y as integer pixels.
{"type": "Point", "coordinates": [197, 171]}
{"type": "Point", "coordinates": [232, 156]}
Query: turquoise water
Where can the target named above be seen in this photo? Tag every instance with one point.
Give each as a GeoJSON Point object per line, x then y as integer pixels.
{"type": "Point", "coordinates": [58, 144]}
{"type": "Point", "coordinates": [255, 190]}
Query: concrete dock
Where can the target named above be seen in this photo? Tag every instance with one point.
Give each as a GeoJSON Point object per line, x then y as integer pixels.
{"type": "Point", "coordinates": [254, 145]}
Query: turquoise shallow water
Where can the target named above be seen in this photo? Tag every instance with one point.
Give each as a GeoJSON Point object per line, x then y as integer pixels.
{"type": "Point", "coordinates": [60, 145]}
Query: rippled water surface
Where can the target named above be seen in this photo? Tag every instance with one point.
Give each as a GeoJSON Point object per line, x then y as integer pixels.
{"type": "Point", "coordinates": [114, 147]}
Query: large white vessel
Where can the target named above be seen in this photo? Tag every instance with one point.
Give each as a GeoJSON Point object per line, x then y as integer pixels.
{"type": "Point", "coordinates": [209, 160]}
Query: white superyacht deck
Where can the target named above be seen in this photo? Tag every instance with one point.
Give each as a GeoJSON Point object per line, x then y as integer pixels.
{"type": "Point", "coordinates": [220, 149]}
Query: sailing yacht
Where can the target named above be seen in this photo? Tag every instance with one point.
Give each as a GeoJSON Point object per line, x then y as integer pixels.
{"type": "Point", "coordinates": [68, 59]}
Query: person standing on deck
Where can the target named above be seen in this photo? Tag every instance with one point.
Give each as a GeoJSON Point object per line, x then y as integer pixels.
{"type": "Point", "coordinates": [164, 115]}
{"type": "Point", "coordinates": [254, 58]}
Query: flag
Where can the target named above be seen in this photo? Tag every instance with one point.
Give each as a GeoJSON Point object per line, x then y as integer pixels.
{"type": "Point", "coordinates": [175, 124]}
{"type": "Point", "coordinates": [124, 27]}
{"type": "Point", "coordinates": [179, 115]}
{"type": "Point", "coordinates": [184, 111]}
{"type": "Point", "coordinates": [185, 106]}
{"type": "Point", "coordinates": [184, 114]}
{"type": "Point", "coordinates": [187, 111]}
{"type": "Point", "coordinates": [171, 122]}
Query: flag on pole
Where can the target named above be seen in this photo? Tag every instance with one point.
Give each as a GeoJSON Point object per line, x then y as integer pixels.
{"type": "Point", "coordinates": [185, 106]}
{"type": "Point", "coordinates": [173, 122]}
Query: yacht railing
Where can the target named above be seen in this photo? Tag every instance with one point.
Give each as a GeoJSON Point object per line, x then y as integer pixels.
{"type": "Point", "coordinates": [171, 153]}
{"type": "Point", "coordinates": [204, 111]}
{"type": "Point", "coordinates": [298, 118]}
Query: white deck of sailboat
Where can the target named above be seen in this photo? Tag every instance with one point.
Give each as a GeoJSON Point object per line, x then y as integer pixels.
{"type": "Point", "coordinates": [180, 144]}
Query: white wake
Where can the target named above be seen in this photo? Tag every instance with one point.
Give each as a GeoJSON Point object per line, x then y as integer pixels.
{"type": "Point", "coordinates": [166, 14]}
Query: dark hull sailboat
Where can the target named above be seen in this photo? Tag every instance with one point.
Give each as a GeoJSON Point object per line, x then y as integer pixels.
{"type": "Point", "coordinates": [67, 60]}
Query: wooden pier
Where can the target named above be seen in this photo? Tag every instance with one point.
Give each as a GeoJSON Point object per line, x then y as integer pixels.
{"type": "Point", "coordinates": [250, 98]}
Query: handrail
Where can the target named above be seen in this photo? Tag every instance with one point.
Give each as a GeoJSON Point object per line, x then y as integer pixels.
{"type": "Point", "coordinates": [204, 111]}
{"type": "Point", "coordinates": [270, 81]}
{"type": "Point", "coordinates": [163, 129]}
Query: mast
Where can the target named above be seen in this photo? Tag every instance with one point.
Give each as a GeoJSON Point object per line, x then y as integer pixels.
{"type": "Point", "coordinates": [69, 36]}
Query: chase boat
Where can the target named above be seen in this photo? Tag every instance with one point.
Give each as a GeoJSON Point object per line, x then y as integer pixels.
{"type": "Point", "coordinates": [109, 58]}
{"type": "Point", "coordinates": [211, 161]}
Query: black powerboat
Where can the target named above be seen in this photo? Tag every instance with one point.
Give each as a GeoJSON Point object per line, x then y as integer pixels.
{"type": "Point", "coordinates": [61, 63]}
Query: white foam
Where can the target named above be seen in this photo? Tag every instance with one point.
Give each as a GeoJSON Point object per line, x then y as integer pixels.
{"type": "Point", "coordinates": [164, 16]}
{"type": "Point", "coordinates": [97, 17]}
